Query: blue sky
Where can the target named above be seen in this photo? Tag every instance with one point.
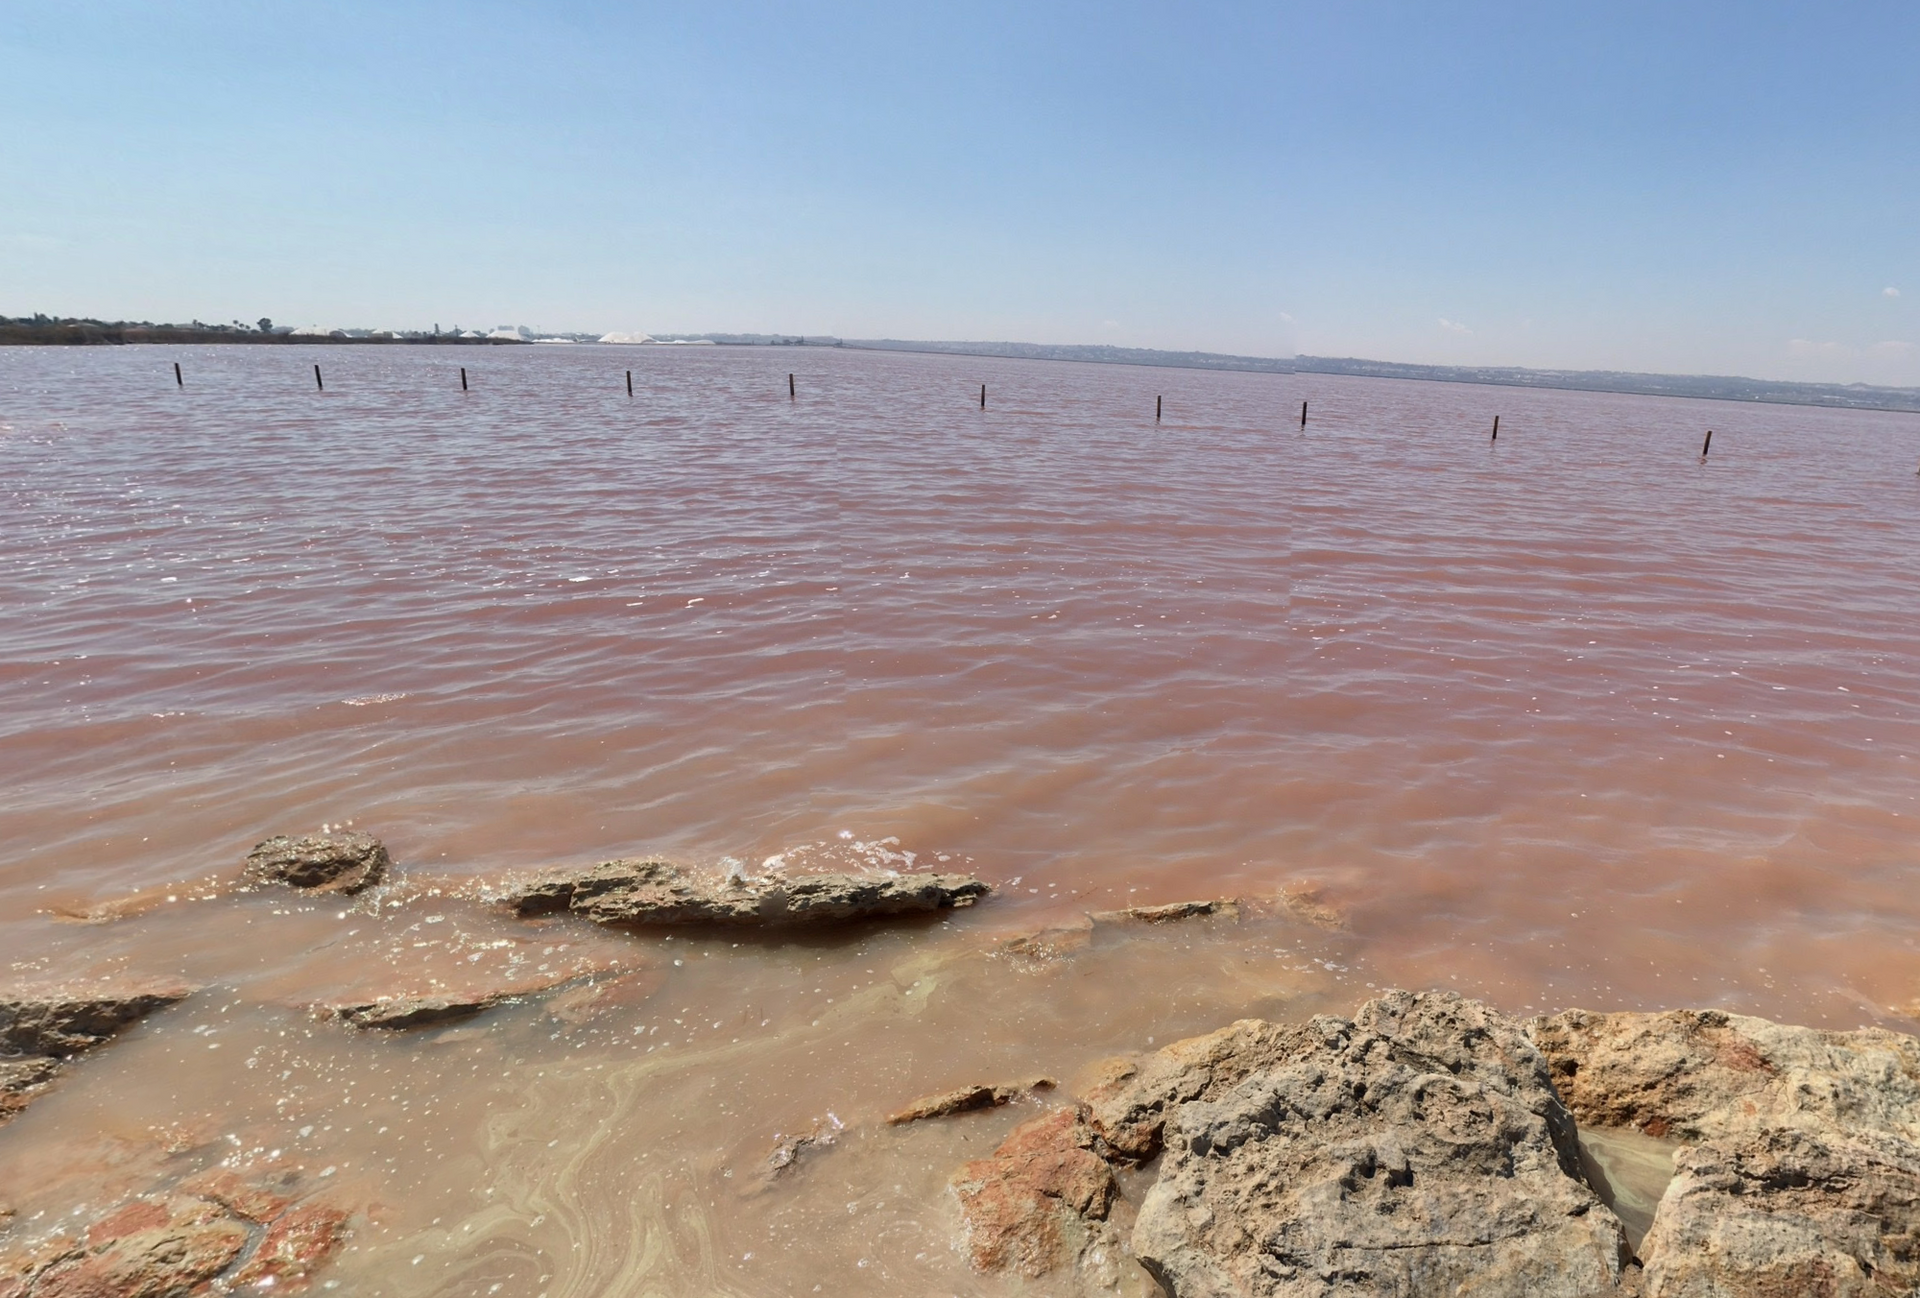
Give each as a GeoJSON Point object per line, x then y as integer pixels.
{"type": "Point", "coordinates": [1727, 188]}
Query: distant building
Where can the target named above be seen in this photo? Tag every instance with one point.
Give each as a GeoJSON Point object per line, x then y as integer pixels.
{"type": "Point", "coordinates": [625, 338]}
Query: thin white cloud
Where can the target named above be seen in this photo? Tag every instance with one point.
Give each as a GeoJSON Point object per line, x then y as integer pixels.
{"type": "Point", "coordinates": [1892, 347]}
{"type": "Point", "coordinates": [1889, 291]}
{"type": "Point", "coordinates": [1808, 347]}
{"type": "Point", "coordinates": [1454, 326]}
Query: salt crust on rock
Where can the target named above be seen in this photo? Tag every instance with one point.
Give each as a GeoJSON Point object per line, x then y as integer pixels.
{"type": "Point", "coordinates": [340, 863]}
{"type": "Point", "coordinates": [1801, 1168]}
{"type": "Point", "coordinates": [642, 893]}
{"type": "Point", "coordinates": [1418, 1149]}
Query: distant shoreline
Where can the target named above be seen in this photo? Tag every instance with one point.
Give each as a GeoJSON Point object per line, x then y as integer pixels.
{"type": "Point", "coordinates": [1704, 387]}
{"type": "Point", "coordinates": [83, 334]}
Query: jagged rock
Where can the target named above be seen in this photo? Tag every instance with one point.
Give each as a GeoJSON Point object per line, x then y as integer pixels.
{"type": "Point", "coordinates": [42, 1027]}
{"type": "Point", "coordinates": [21, 1080]}
{"type": "Point", "coordinates": [1801, 1168]}
{"type": "Point", "coordinates": [1129, 1100]}
{"type": "Point", "coordinates": [1164, 914]}
{"type": "Point", "coordinates": [651, 892]}
{"type": "Point", "coordinates": [1702, 1074]}
{"type": "Point", "coordinates": [1418, 1149]}
{"type": "Point", "coordinates": [1036, 1205]}
{"type": "Point", "coordinates": [1788, 1212]}
{"type": "Point", "coordinates": [965, 1099]}
{"type": "Point", "coordinates": [339, 863]}
{"type": "Point", "coordinates": [63, 1021]}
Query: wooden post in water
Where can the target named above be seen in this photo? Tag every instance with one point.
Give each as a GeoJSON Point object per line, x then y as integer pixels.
{"type": "Point", "coordinates": [178, 382]}
{"type": "Point", "coordinates": [1303, 414]}
{"type": "Point", "coordinates": [790, 395]}
{"type": "Point", "coordinates": [316, 379]}
{"type": "Point", "coordinates": [629, 382]}
{"type": "Point", "coordinates": [983, 396]}
{"type": "Point", "coordinates": [1496, 429]}
{"type": "Point", "coordinates": [463, 378]}
{"type": "Point", "coordinates": [1706, 446]}
{"type": "Point", "coordinates": [1156, 410]}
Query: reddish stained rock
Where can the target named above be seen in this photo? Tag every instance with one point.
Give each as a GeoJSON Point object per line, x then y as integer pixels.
{"type": "Point", "coordinates": [213, 1233]}
{"type": "Point", "coordinates": [147, 1249]}
{"type": "Point", "coordinates": [1028, 1208]}
{"type": "Point", "coordinates": [297, 1244]}
{"type": "Point", "coordinates": [343, 863]}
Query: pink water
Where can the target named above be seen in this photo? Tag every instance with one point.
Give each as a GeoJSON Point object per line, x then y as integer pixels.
{"type": "Point", "coordinates": [1569, 719]}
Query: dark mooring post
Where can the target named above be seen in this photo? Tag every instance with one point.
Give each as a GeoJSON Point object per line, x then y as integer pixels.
{"type": "Point", "coordinates": [1303, 414]}
{"type": "Point", "coordinates": [178, 382]}
{"type": "Point", "coordinates": [316, 379]}
{"type": "Point", "coordinates": [790, 395]}
{"type": "Point", "coordinates": [1706, 445]}
{"type": "Point", "coordinates": [463, 378]}
{"type": "Point", "coordinates": [1156, 410]}
{"type": "Point", "coordinates": [1496, 429]}
{"type": "Point", "coordinates": [629, 382]}
{"type": "Point", "coordinates": [983, 396]}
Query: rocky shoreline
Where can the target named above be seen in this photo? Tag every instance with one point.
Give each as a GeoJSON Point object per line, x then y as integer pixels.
{"type": "Point", "coordinates": [1429, 1144]}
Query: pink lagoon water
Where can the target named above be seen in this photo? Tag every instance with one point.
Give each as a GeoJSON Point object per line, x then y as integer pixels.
{"type": "Point", "coordinates": [1572, 719]}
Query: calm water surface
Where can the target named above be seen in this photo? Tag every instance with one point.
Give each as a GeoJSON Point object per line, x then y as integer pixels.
{"type": "Point", "coordinates": [1570, 719]}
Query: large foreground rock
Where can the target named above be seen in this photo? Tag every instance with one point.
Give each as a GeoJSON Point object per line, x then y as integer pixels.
{"type": "Point", "coordinates": [343, 863]}
{"type": "Point", "coordinates": [1800, 1168]}
{"type": "Point", "coordinates": [651, 892]}
{"type": "Point", "coordinates": [1418, 1149]}
{"type": "Point", "coordinates": [41, 1027]}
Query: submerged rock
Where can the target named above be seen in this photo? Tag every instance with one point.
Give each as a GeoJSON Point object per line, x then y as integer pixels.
{"type": "Point", "coordinates": [343, 863]}
{"type": "Point", "coordinates": [1170, 911]}
{"type": "Point", "coordinates": [1417, 1149]}
{"type": "Point", "coordinates": [1036, 1204]}
{"type": "Point", "coordinates": [40, 1028]}
{"type": "Point", "coordinates": [398, 1012]}
{"type": "Point", "coordinates": [221, 1235]}
{"type": "Point", "coordinates": [1800, 1171]}
{"type": "Point", "coordinates": [642, 893]}
{"type": "Point", "coordinates": [965, 1099]}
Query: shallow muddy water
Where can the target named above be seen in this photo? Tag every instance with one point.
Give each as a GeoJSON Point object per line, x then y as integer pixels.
{"type": "Point", "coordinates": [1570, 719]}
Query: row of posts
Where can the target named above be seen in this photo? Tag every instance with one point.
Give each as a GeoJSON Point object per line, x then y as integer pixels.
{"type": "Point", "coordinates": [793, 394]}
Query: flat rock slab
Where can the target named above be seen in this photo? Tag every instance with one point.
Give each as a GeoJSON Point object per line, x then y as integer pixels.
{"type": "Point", "coordinates": [1418, 1149]}
{"type": "Point", "coordinates": [343, 863]}
{"type": "Point", "coordinates": [650, 893]}
{"type": "Point", "coordinates": [1800, 1172]}
{"type": "Point", "coordinates": [41, 1027]}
